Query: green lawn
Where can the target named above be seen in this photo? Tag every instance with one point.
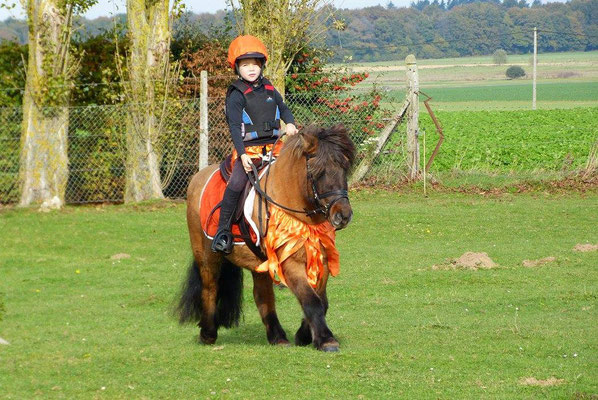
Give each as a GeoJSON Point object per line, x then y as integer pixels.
{"type": "Point", "coordinates": [84, 326]}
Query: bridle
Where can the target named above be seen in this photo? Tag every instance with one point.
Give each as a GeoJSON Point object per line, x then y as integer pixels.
{"type": "Point", "coordinates": [321, 207]}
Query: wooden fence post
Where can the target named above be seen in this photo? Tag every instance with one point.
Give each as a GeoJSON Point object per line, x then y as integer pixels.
{"type": "Point", "coordinates": [203, 120]}
{"type": "Point", "coordinates": [412, 117]}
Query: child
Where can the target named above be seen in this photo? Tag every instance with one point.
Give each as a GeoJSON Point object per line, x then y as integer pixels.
{"type": "Point", "coordinates": [253, 111]}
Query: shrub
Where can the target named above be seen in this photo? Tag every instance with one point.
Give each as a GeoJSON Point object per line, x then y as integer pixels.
{"type": "Point", "coordinates": [514, 72]}
{"type": "Point", "coordinates": [324, 95]}
{"type": "Point", "coordinates": [499, 57]}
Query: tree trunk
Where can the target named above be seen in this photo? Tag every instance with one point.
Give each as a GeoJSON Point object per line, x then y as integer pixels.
{"type": "Point", "coordinates": [149, 32]}
{"type": "Point", "coordinates": [44, 160]}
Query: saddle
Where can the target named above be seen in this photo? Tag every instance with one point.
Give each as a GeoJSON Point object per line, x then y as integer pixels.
{"type": "Point", "coordinates": [211, 199]}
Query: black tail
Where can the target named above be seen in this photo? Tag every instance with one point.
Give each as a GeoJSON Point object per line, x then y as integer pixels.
{"type": "Point", "coordinates": [230, 295]}
{"type": "Point", "coordinates": [189, 308]}
{"type": "Point", "coordinates": [229, 298]}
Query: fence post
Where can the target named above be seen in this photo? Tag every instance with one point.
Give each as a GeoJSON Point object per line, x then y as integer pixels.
{"type": "Point", "coordinates": [412, 117]}
{"type": "Point", "coordinates": [535, 64]}
{"type": "Point", "coordinates": [203, 120]}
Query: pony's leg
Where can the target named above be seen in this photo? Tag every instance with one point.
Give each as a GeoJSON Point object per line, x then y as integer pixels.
{"type": "Point", "coordinates": [263, 295]}
{"type": "Point", "coordinates": [303, 336]}
{"type": "Point", "coordinates": [314, 309]}
{"type": "Point", "coordinates": [209, 271]}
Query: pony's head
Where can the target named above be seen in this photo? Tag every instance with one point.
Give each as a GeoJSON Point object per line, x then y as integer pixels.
{"type": "Point", "coordinates": [329, 155]}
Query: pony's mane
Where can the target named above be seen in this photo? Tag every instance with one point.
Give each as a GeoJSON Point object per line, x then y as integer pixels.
{"type": "Point", "coordinates": [334, 146]}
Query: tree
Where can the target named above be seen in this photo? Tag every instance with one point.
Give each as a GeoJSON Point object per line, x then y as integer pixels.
{"type": "Point", "coordinates": [12, 72]}
{"type": "Point", "coordinates": [514, 72]}
{"type": "Point", "coordinates": [499, 57]}
{"type": "Point", "coordinates": [148, 70]}
{"type": "Point", "coordinates": [44, 161]}
{"type": "Point", "coordinates": [283, 26]}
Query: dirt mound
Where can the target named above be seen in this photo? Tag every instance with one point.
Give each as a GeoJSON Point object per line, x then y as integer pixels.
{"type": "Point", "coordinates": [531, 381]}
{"type": "Point", "coordinates": [468, 260]}
{"type": "Point", "coordinates": [538, 262]}
{"type": "Point", "coordinates": [120, 256]}
{"type": "Point", "coordinates": [584, 248]}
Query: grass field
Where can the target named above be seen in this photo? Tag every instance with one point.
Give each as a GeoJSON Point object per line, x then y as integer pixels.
{"type": "Point", "coordinates": [84, 326]}
{"type": "Point", "coordinates": [510, 95]}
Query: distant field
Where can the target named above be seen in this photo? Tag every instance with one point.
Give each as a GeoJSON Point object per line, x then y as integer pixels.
{"type": "Point", "coordinates": [568, 57]}
{"type": "Point", "coordinates": [565, 80]}
{"type": "Point", "coordinates": [510, 95]}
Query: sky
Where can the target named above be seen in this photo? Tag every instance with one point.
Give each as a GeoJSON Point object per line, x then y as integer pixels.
{"type": "Point", "coordinates": [106, 8]}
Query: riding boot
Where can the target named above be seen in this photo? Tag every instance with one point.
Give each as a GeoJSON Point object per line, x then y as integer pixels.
{"type": "Point", "coordinates": [223, 240]}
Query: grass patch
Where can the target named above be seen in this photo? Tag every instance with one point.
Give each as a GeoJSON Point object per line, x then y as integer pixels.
{"type": "Point", "coordinates": [84, 326]}
{"type": "Point", "coordinates": [511, 95]}
{"type": "Point", "coordinates": [541, 140]}
{"type": "Point", "coordinates": [517, 91]}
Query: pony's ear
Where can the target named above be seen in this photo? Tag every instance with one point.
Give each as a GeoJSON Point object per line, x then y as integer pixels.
{"type": "Point", "coordinates": [339, 128]}
{"type": "Point", "coordinates": [309, 142]}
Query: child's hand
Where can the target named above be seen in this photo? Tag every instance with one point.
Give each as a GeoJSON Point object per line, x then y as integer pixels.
{"type": "Point", "coordinates": [291, 129]}
{"type": "Point", "coordinates": [247, 163]}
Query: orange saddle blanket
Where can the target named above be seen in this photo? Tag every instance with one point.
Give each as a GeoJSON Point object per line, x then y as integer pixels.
{"type": "Point", "coordinates": [211, 195]}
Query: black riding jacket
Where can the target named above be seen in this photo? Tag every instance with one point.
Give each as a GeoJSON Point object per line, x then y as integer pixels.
{"type": "Point", "coordinates": [239, 113]}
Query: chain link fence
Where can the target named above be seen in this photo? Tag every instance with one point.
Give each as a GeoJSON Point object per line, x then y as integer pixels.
{"type": "Point", "coordinates": [97, 140]}
{"type": "Point", "coordinates": [486, 132]}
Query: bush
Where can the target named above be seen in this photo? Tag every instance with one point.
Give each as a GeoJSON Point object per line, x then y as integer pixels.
{"type": "Point", "coordinates": [323, 95]}
{"type": "Point", "coordinates": [514, 72]}
{"type": "Point", "coordinates": [499, 57]}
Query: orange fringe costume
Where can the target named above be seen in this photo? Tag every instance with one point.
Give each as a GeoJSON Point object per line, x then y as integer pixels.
{"type": "Point", "coordinates": [288, 234]}
{"type": "Point", "coordinates": [257, 151]}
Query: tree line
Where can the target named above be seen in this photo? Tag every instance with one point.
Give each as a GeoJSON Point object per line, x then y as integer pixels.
{"type": "Point", "coordinates": [429, 29]}
{"type": "Point", "coordinates": [462, 28]}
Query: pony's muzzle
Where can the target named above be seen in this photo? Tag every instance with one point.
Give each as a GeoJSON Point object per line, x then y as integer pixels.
{"type": "Point", "coordinates": [341, 214]}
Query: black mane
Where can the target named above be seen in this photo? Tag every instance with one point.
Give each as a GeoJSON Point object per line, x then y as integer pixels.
{"type": "Point", "coordinates": [334, 146]}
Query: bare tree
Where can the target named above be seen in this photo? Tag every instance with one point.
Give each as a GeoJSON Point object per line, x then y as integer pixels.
{"type": "Point", "coordinates": [44, 159]}
{"type": "Point", "coordinates": [285, 26]}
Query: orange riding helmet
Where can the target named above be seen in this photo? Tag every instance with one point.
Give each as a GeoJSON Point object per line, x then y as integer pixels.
{"type": "Point", "coordinates": [246, 46]}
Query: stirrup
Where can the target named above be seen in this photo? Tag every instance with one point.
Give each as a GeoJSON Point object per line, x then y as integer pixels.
{"type": "Point", "coordinates": [223, 241]}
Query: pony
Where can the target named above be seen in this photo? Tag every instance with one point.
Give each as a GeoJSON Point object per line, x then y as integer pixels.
{"type": "Point", "coordinates": [308, 181]}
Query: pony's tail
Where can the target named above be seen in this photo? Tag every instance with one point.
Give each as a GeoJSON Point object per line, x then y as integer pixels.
{"type": "Point", "coordinates": [230, 295]}
{"type": "Point", "coordinates": [189, 307]}
{"type": "Point", "coordinates": [229, 299]}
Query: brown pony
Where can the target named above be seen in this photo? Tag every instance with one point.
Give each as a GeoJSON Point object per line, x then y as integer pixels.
{"type": "Point", "coordinates": [309, 177]}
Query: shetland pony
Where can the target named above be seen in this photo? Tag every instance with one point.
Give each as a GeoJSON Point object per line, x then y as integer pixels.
{"type": "Point", "coordinates": [308, 183]}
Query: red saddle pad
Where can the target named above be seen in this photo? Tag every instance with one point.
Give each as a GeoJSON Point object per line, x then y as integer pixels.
{"type": "Point", "coordinates": [211, 195]}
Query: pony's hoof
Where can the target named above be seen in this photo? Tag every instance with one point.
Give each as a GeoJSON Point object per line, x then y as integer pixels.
{"type": "Point", "coordinates": [330, 347]}
{"type": "Point", "coordinates": [207, 340]}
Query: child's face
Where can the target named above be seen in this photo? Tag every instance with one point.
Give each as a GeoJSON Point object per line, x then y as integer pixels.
{"type": "Point", "coordinates": [250, 69]}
